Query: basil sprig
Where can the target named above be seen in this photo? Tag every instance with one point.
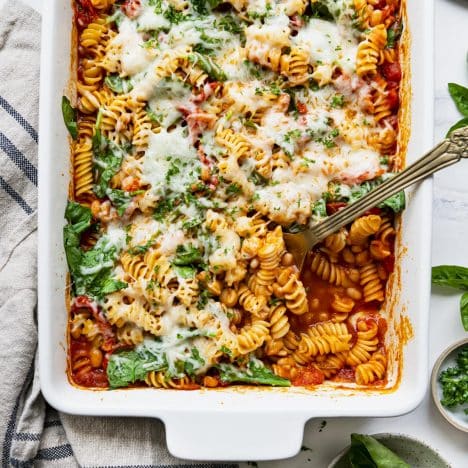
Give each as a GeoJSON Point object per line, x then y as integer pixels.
{"type": "Point", "coordinates": [460, 98]}
{"type": "Point", "coordinates": [453, 276]}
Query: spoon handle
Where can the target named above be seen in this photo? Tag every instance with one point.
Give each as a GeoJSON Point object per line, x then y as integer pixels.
{"type": "Point", "coordinates": [446, 153]}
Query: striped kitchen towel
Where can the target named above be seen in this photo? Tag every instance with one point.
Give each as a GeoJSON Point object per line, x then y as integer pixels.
{"type": "Point", "coordinates": [32, 433]}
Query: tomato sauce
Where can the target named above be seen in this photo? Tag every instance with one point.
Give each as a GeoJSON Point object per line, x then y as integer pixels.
{"type": "Point", "coordinates": [85, 13]}
{"type": "Point", "coordinates": [82, 372]}
{"type": "Point", "coordinates": [308, 376]}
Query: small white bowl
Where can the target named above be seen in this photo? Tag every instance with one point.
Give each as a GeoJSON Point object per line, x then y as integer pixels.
{"type": "Point", "coordinates": [456, 417]}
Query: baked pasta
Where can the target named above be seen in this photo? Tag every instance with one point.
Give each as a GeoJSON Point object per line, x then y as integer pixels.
{"type": "Point", "coordinates": [202, 131]}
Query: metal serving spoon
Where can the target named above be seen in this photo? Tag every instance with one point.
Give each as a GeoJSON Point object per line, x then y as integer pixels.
{"type": "Point", "coordinates": [446, 153]}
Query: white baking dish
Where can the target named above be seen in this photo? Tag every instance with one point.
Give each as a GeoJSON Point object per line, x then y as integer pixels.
{"type": "Point", "coordinates": [228, 424]}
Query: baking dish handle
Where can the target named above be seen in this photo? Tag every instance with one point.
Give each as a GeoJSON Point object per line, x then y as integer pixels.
{"type": "Point", "coordinates": [234, 436]}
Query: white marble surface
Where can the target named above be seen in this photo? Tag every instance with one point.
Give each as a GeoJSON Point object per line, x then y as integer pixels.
{"type": "Point", "coordinates": [450, 232]}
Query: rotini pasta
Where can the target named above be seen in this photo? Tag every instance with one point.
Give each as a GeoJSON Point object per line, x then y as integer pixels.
{"type": "Point", "coordinates": [203, 134]}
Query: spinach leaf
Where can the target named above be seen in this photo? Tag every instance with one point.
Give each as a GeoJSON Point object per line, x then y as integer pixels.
{"type": "Point", "coordinates": [464, 310]}
{"type": "Point", "coordinates": [396, 203]}
{"type": "Point", "coordinates": [94, 275]}
{"type": "Point", "coordinates": [194, 363]}
{"type": "Point", "coordinates": [367, 452]}
{"type": "Point", "coordinates": [79, 220]}
{"type": "Point", "coordinates": [121, 199]}
{"type": "Point", "coordinates": [90, 270]}
{"type": "Point", "coordinates": [125, 368]}
{"type": "Point", "coordinates": [185, 272]}
{"type": "Point", "coordinates": [460, 97]}
{"type": "Point", "coordinates": [451, 276]}
{"type": "Point", "coordinates": [118, 85]}
{"type": "Point", "coordinates": [319, 10]}
{"type": "Point", "coordinates": [78, 216]}
{"type": "Point", "coordinates": [319, 208]}
{"type": "Point", "coordinates": [108, 158]}
{"type": "Point", "coordinates": [128, 367]}
{"type": "Point", "coordinates": [187, 255]}
{"type": "Point", "coordinates": [394, 33]}
{"type": "Point", "coordinates": [208, 66]}
{"type": "Point", "coordinates": [69, 117]}
{"type": "Point", "coordinates": [254, 373]}
{"type": "Point", "coordinates": [460, 124]}
{"type": "Point", "coordinates": [199, 6]}
{"type": "Point", "coordinates": [230, 23]}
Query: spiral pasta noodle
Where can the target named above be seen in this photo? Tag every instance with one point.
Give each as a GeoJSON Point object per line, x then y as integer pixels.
{"type": "Point", "coordinates": [202, 137]}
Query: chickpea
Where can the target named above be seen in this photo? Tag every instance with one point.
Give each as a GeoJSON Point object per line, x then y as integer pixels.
{"type": "Point", "coordinates": [354, 293]}
{"type": "Point", "coordinates": [287, 260]}
{"type": "Point", "coordinates": [214, 287]}
{"type": "Point", "coordinates": [205, 173]}
{"type": "Point", "coordinates": [76, 332]}
{"type": "Point", "coordinates": [229, 297]}
{"type": "Point", "coordinates": [254, 263]}
{"type": "Point", "coordinates": [307, 275]}
{"type": "Point", "coordinates": [382, 273]}
{"type": "Point", "coordinates": [210, 382]}
{"type": "Point", "coordinates": [356, 248]}
{"type": "Point", "coordinates": [202, 276]}
{"type": "Point", "coordinates": [323, 316]}
{"type": "Point", "coordinates": [315, 303]}
{"type": "Point", "coordinates": [95, 357]}
{"type": "Point", "coordinates": [362, 258]}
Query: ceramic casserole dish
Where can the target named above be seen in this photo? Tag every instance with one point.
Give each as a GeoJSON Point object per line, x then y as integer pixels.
{"type": "Point", "coordinates": [236, 423]}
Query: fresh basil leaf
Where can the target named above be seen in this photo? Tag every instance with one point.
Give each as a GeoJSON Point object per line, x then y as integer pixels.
{"type": "Point", "coordinates": [460, 124]}
{"type": "Point", "coordinates": [118, 84]}
{"type": "Point", "coordinates": [70, 117]}
{"type": "Point", "coordinates": [208, 66]}
{"type": "Point", "coordinates": [464, 310]}
{"type": "Point", "coordinates": [451, 276]}
{"type": "Point", "coordinates": [460, 97]}
{"type": "Point", "coordinates": [366, 452]}
{"type": "Point", "coordinates": [254, 373]}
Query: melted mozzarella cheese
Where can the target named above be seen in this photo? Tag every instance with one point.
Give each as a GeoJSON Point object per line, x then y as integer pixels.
{"type": "Point", "coordinates": [328, 45]}
{"type": "Point", "coordinates": [164, 150]}
{"type": "Point", "coordinates": [133, 57]}
{"type": "Point", "coordinates": [149, 20]}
